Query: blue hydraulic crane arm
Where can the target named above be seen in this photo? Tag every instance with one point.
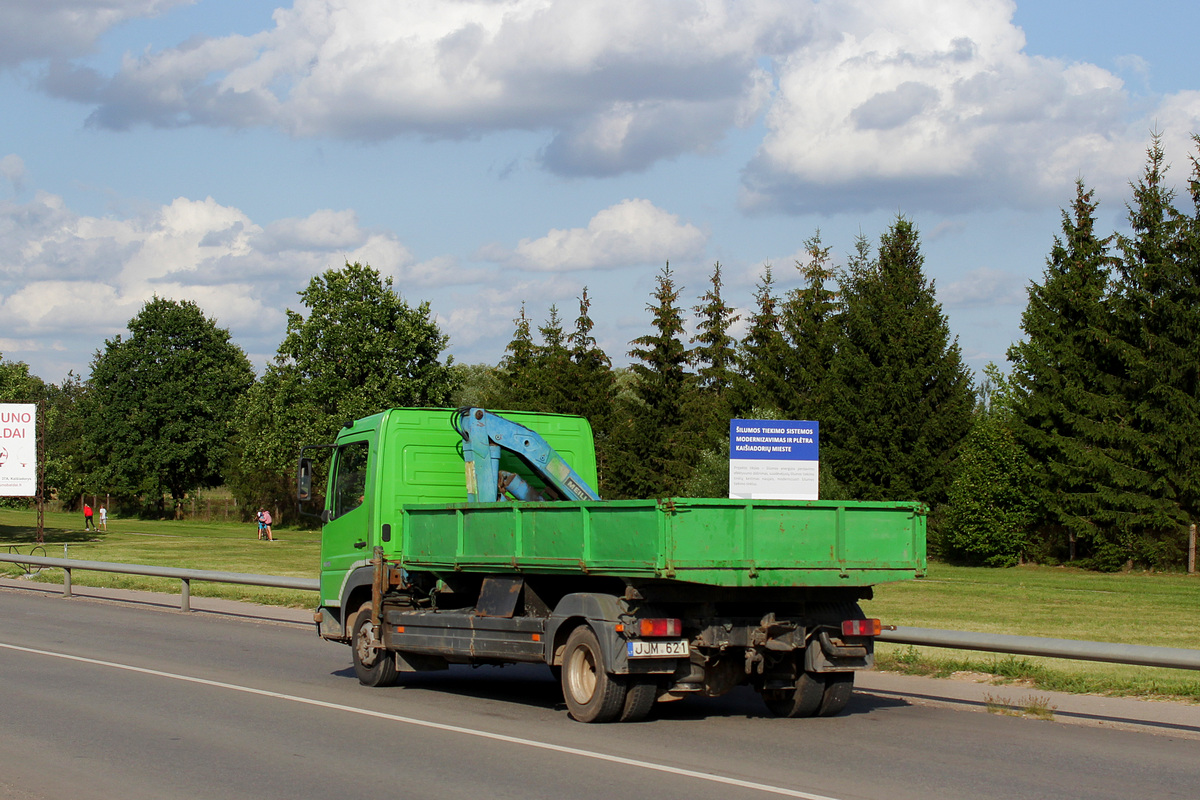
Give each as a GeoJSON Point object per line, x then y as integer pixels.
{"type": "Point", "coordinates": [485, 434]}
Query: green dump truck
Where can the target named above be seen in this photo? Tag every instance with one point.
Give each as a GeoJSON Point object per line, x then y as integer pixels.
{"type": "Point", "coordinates": [628, 602]}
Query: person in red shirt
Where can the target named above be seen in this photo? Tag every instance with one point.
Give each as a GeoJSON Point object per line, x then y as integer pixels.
{"type": "Point", "coordinates": [88, 524]}
{"type": "Point", "coordinates": [264, 525]}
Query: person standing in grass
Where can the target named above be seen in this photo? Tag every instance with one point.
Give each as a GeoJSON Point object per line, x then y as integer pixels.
{"type": "Point", "coordinates": [103, 526]}
{"type": "Point", "coordinates": [266, 517]}
{"type": "Point", "coordinates": [88, 523]}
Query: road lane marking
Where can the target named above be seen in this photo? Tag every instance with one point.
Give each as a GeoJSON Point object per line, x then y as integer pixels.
{"type": "Point", "coordinates": [441, 726]}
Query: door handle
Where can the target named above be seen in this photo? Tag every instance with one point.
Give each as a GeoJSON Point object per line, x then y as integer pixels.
{"type": "Point", "coordinates": [360, 545]}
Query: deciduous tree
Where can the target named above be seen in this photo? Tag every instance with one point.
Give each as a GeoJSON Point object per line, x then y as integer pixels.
{"type": "Point", "coordinates": [160, 404]}
{"type": "Point", "coordinates": [990, 503]}
{"type": "Point", "coordinates": [360, 349]}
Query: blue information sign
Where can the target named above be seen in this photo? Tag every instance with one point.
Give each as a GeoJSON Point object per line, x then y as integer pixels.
{"type": "Point", "coordinates": [773, 459]}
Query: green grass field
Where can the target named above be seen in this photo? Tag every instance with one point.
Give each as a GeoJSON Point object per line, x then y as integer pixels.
{"type": "Point", "coordinates": [1137, 608]}
{"type": "Point", "coordinates": [233, 547]}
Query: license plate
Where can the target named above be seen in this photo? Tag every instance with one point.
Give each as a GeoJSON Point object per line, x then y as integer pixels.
{"type": "Point", "coordinates": [663, 648]}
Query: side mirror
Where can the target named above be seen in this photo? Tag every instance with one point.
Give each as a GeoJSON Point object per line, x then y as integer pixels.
{"type": "Point", "coordinates": [304, 476]}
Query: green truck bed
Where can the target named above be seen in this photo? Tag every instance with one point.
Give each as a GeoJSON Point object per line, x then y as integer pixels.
{"type": "Point", "coordinates": [715, 542]}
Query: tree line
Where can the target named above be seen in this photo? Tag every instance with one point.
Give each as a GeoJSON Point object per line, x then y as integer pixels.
{"type": "Point", "coordinates": [1085, 451]}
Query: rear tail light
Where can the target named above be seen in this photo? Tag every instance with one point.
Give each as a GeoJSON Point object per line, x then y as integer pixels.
{"type": "Point", "coordinates": [660, 627]}
{"type": "Point", "coordinates": [861, 627]}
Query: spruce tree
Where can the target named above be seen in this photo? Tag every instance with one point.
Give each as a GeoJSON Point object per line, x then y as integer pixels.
{"type": "Point", "coordinates": [809, 325]}
{"type": "Point", "coordinates": [714, 358]}
{"type": "Point", "coordinates": [551, 377]}
{"type": "Point", "coordinates": [592, 385]}
{"type": "Point", "coordinates": [655, 448]}
{"type": "Point", "coordinates": [1158, 320]}
{"type": "Point", "coordinates": [762, 380]}
{"type": "Point", "coordinates": [517, 390]}
{"type": "Point", "coordinates": [714, 353]}
{"type": "Point", "coordinates": [901, 398]}
{"type": "Point", "coordinates": [1068, 387]}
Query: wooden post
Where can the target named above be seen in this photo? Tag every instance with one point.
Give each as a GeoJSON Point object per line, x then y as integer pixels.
{"type": "Point", "coordinates": [1192, 549]}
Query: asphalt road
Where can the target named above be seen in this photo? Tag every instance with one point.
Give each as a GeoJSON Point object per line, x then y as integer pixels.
{"type": "Point", "coordinates": [108, 701]}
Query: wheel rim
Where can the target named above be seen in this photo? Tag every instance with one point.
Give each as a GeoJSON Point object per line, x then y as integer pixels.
{"type": "Point", "coordinates": [581, 673]}
{"type": "Point", "coordinates": [367, 651]}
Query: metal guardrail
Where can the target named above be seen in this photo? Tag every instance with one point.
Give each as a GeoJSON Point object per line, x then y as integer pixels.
{"type": "Point", "coordinates": [1140, 655]}
{"type": "Point", "coordinates": [185, 576]}
{"type": "Point", "coordinates": [15, 549]}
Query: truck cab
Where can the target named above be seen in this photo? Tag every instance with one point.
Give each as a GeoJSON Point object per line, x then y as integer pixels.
{"type": "Point", "coordinates": [402, 456]}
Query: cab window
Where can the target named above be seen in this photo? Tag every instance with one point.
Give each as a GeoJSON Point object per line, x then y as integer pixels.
{"type": "Point", "coordinates": [350, 481]}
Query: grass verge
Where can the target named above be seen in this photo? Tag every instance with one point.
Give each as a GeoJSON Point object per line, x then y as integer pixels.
{"type": "Point", "coordinates": [1031, 706]}
{"type": "Point", "coordinates": [228, 546]}
{"type": "Point", "coordinates": [1129, 608]}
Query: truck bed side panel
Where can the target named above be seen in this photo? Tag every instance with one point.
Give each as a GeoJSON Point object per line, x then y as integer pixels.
{"type": "Point", "coordinates": [717, 542]}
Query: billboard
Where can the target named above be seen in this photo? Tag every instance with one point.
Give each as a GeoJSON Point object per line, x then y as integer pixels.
{"type": "Point", "coordinates": [18, 450]}
{"type": "Point", "coordinates": [773, 459]}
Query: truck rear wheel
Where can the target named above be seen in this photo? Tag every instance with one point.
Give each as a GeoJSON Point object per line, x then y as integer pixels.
{"type": "Point", "coordinates": [839, 686]}
{"type": "Point", "coordinates": [373, 665]}
{"type": "Point", "coordinates": [803, 700]}
{"type": "Point", "coordinates": [640, 697]}
{"type": "Point", "coordinates": [592, 694]}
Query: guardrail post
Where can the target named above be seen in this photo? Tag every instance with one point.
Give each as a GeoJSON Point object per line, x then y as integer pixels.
{"type": "Point", "coordinates": [185, 595]}
{"type": "Point", "coordinates": [66, 581]}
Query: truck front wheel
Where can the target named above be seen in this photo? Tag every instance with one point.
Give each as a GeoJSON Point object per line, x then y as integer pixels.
{"type": "Point", "coordinates": [373, 665]}
{"type": "Point", "coordinates": [592, 694]}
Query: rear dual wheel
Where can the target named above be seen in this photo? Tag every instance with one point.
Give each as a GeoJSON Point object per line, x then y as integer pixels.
{"type": "Point", "coordinates": [814, 695]}
{"type": "Point", "coordinates": [640, 697]}
{"type": "Point", "coordinates": [592, 694]}
{"type": "Point", "coordinates": [839, 686]}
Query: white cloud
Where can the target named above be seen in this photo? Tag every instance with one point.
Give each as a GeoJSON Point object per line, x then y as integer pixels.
{"type": "Point", "coordinates": [618, 85]}
{"type": "Point", "coordinates": [65, 275]}
{"type": "Point", "coordinates": [484, 316]}
{"type": "Point", "coordinates": [915, 105]}
{"type": "Point", "coordinates": [629, 233]}
{"type": "Point", "coordinates": [984, 287]}
{"type": "Point", "coordinates": [68, 280]}
{"type": "Point", "coordinates": [919, 102]}
{"type": "Point", "coordinates": [38, 29]}
{"type": "Point", "coordinates": [12, 169]}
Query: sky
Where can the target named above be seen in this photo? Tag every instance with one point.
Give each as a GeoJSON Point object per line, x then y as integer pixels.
{"type": "Point", "coordinates": [489, 154]}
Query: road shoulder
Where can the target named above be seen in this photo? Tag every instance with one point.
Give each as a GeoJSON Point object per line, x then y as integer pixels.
{"type": "Point", "coordinates": [976, 693]}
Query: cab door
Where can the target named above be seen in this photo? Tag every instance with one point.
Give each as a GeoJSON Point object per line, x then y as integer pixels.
{"type": "Point", "coordinates": [348, 535]}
